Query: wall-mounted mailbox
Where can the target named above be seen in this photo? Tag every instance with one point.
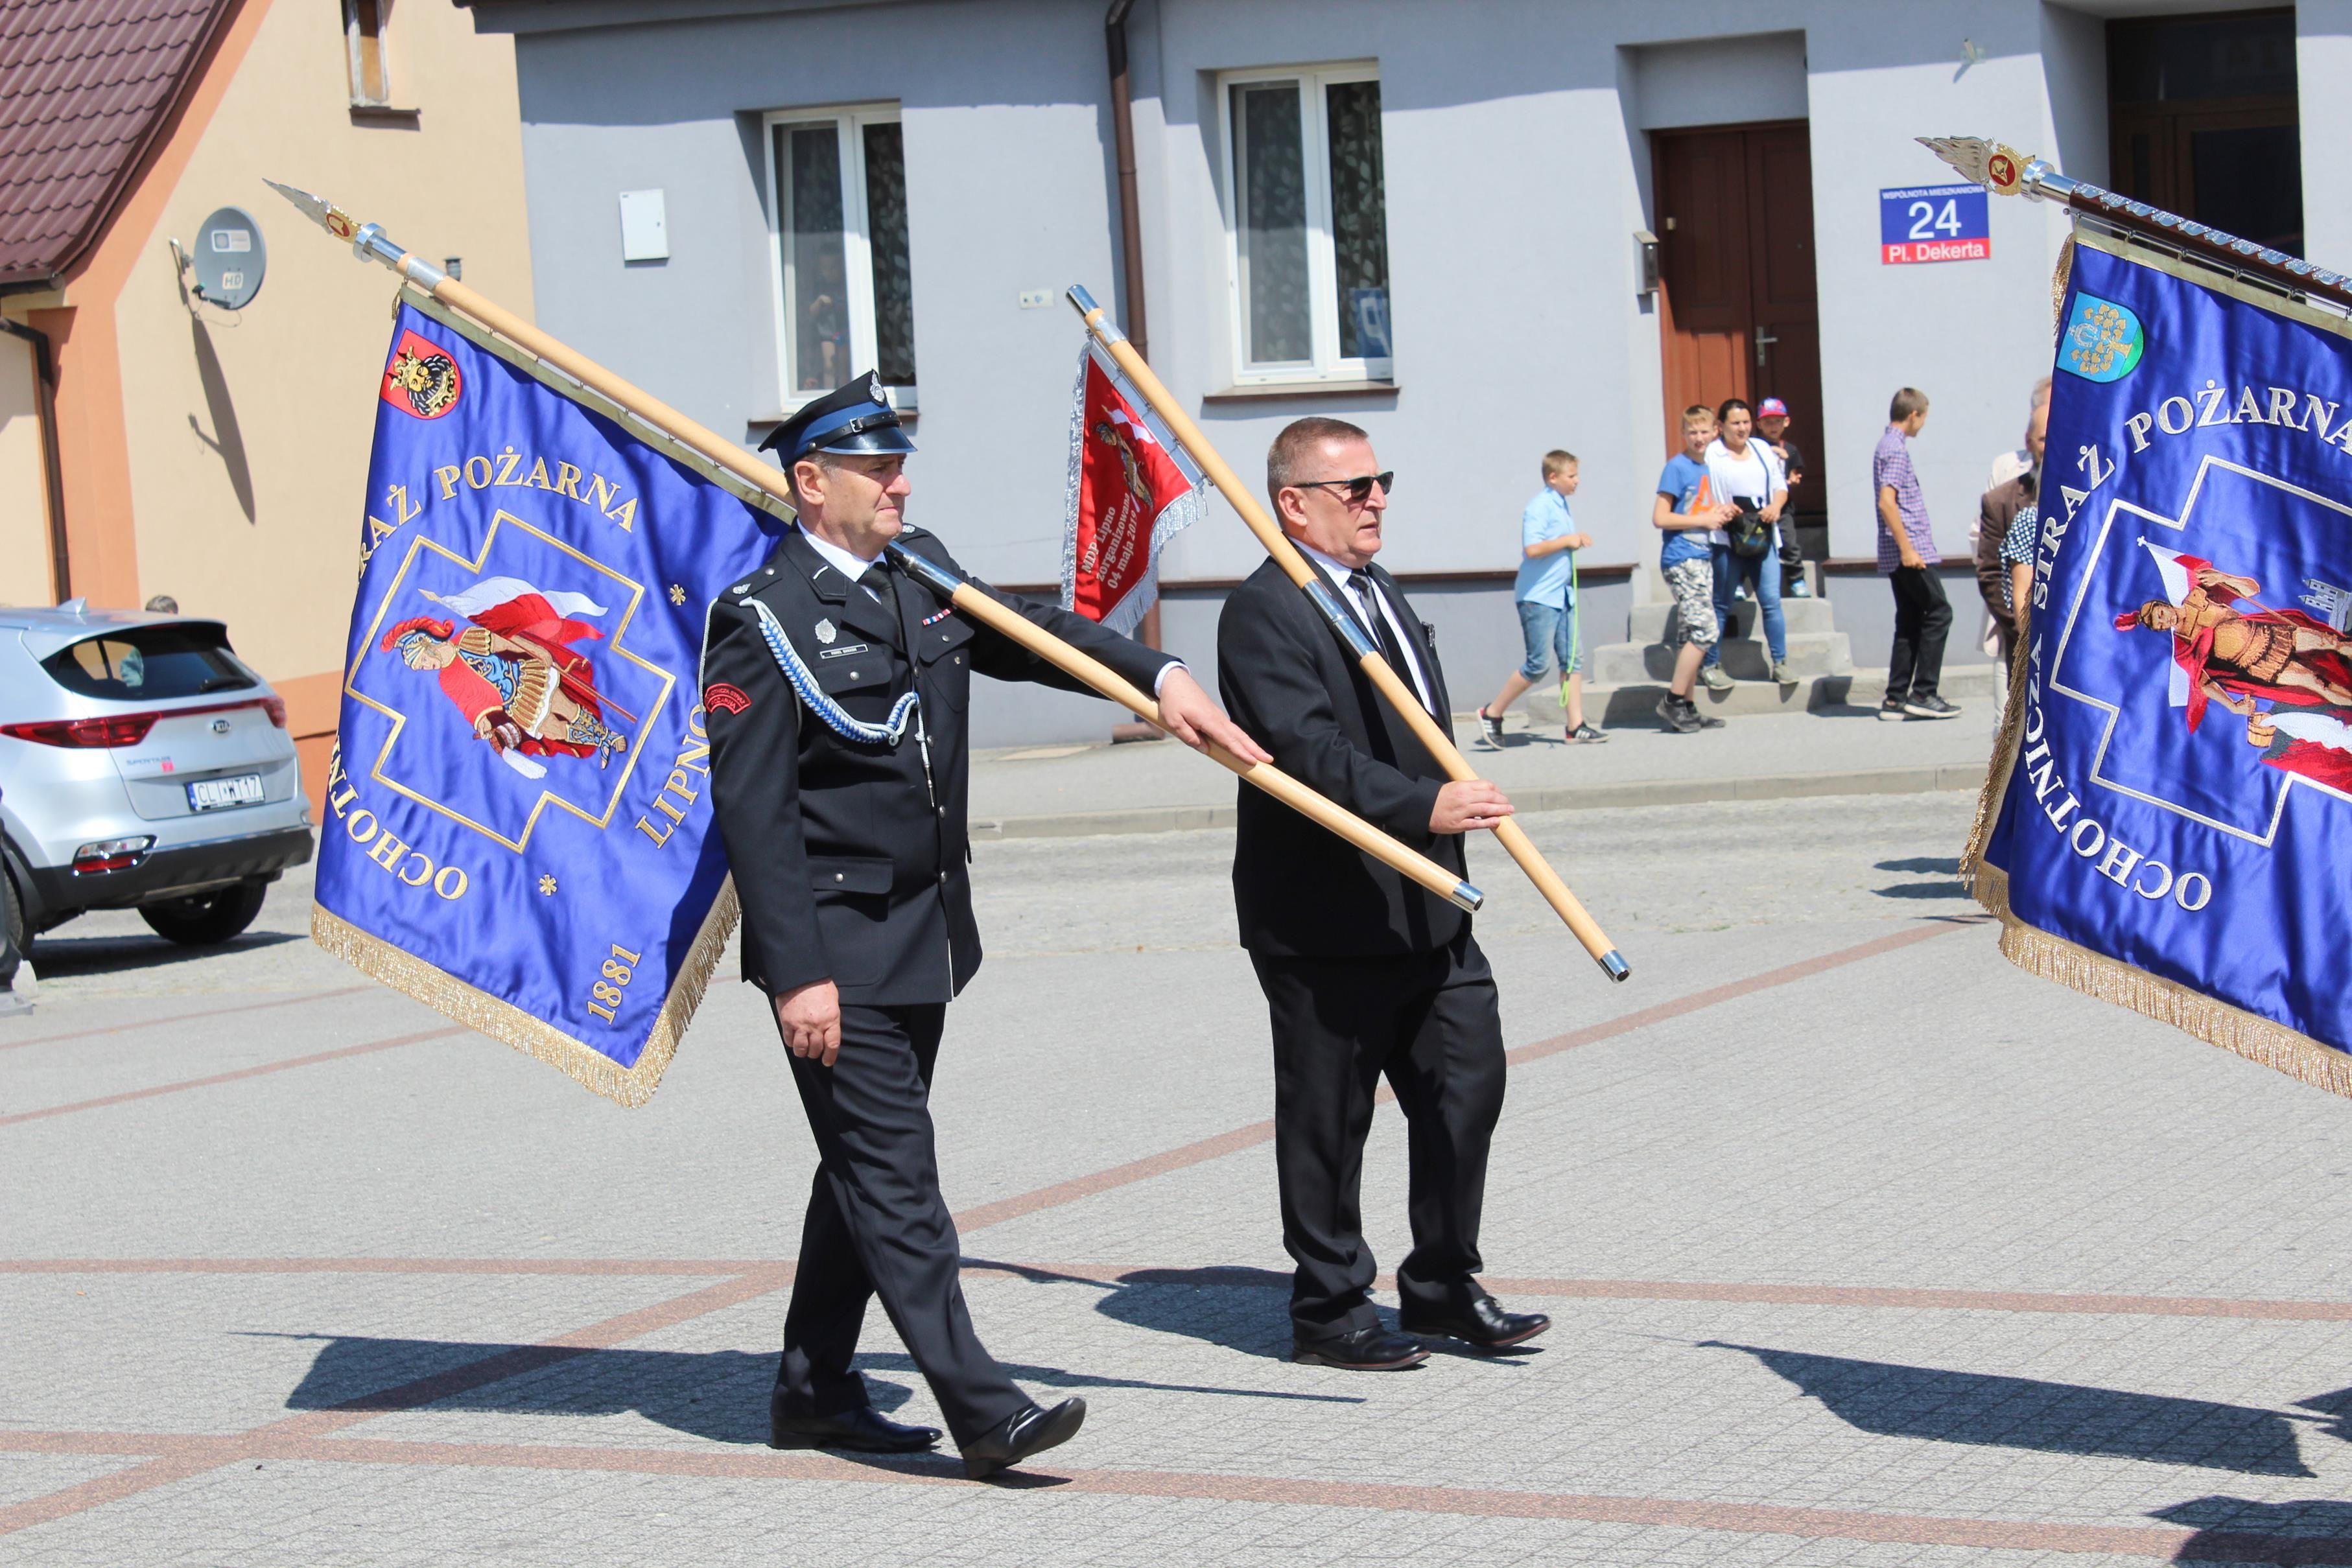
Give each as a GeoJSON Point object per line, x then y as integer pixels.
{"type": "Point", "coordinates": [1645, 262]}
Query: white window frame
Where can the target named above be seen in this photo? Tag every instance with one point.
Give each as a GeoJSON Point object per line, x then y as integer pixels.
{"type": "Point", "coordinates": [354, 40]}
{"type": "Point", "coordinates": [1322, 267]}
{"type": "Point", "coordinates": [850, 122]}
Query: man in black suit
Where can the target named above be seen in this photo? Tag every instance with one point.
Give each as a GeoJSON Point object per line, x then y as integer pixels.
{"type": "Point", "coordinates": [834, 689]}
{"type": "Point", "coordinates": [1365, 974]}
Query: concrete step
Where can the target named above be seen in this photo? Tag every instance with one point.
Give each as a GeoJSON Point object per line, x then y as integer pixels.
{"type": "Point", "coordinates": [1636, 702]}
{"type": "Point", "coordinates": [1648, 623]}
{"type": "Point", "coordinates": [1811, 654]}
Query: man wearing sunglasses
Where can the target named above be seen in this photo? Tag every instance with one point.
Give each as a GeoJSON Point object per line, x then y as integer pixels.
{"type": "Point", "coordinates": [1366, 976]}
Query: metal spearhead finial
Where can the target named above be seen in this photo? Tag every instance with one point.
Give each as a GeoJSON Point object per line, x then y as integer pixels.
{"type": "Point", "coordinates": [369, 241]}
{"type": "Point", "coordinates": [319, 209]}
{"type": "Point", "coordinates": [1998, 168]}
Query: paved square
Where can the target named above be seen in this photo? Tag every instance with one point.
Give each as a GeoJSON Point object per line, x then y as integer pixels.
{"type": "Point", "coordinates": [1865, 1248]}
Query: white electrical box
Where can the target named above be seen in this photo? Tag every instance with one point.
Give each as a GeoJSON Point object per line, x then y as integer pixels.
{"type": "Point", "coordinates": [644, 228]}
{"type": "Point", "coordinates": [1036, 299]}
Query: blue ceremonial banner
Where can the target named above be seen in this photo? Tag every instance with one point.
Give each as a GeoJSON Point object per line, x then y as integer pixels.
{"type": "Point", "coordinates": [2170, 809]}
{"type": "Point", "coordinates": [518, 826]}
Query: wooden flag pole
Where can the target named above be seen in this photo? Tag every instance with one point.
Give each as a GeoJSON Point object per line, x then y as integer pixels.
{"type": "Point", "coordinates": [1400, 696]}
{"type": "Point", "coordinates": [368, 243]}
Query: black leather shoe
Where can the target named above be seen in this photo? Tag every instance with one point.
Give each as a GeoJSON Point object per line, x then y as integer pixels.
{"type": "Point", "coordinates": [1482, 1323]}
{"type": "Point", "coordinates": [1365, 1350]}
{"type": "Point", "coordinates": [1017, 1436]}
{"type": "Point", "coordinates": [864, 1430]}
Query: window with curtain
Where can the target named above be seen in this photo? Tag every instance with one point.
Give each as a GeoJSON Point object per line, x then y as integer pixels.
{"type": "Point", "coordinates": [837, 214]}
{"type": "Point", "coordinates": [1309, 216]}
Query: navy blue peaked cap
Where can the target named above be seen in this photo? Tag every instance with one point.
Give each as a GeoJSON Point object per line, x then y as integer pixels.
{"type": "Point", "coordinates": [856, 418]}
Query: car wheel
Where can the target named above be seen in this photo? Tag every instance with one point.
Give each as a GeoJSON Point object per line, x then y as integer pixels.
{"type": "Point", "coordinates": [203, 919]}
{"type": "Point", "coordinates": [20, 934]}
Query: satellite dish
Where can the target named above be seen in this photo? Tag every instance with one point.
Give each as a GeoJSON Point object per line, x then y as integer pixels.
{"type": "Point", "coordinates": [229, 260]}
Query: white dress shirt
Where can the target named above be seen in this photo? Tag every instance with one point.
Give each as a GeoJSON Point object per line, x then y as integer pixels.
{"type": "Point", "coordinates": [1339, 572]}
{"type": "Point", "coordinates": [855, 566]}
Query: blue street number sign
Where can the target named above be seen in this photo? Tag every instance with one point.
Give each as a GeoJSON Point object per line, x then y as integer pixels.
{"type": "Point", "coordinates": [1933, 222]}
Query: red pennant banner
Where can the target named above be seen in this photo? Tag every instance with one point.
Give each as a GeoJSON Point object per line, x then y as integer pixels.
{"type": "Point", "coordinates": [1125, 484]}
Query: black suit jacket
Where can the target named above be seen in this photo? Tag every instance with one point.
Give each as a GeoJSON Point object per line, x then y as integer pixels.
{"type": "Point", "coordinates": [851, 859]}
{"type": "Point", "coordinates": [1287, 678]}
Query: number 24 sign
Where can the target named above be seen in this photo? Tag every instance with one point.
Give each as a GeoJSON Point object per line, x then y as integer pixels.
{"type": "Point", "coordinates": [1933, 222]}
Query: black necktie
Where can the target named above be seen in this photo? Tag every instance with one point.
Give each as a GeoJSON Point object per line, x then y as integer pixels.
{"type": "Point", "coordinates": [1368, 599]}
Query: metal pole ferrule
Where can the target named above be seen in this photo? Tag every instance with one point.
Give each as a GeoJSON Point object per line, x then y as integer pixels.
{"type": "Point", "coordinates": [1467, 898]}
{"type": "Point", "coordinates": [1085, 305]}
{"type": "Point", "coordinates": [931, 574]}
{"type": "Point", "coordinates": [1327, 601]}
{"type": "Point", "coordinates": [1613, 965]}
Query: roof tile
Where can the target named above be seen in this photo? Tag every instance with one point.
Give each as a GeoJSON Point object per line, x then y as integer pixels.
{"type": "Point", "coordinates": [83, 86]}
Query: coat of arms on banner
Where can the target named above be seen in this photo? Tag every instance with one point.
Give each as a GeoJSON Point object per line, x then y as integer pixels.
{"type": "Point", "coordinates": [518, 825]}
{"type": "Point", "coordinates": [2172, 798]}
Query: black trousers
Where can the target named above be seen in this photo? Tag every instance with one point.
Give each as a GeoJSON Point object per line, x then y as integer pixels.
{"type": "Point", "coordinates": [878, 1227]}
{"type": "Point", "coordinates": [1429, 1023]}
{"type": "Point", "coordinates": [1923, 618]}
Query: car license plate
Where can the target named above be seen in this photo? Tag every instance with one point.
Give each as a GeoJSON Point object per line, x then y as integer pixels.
{"type": "Point", "coordinates": [216, 794]}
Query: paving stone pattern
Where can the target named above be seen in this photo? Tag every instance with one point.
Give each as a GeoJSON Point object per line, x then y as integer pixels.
{"type": "Point", "coordinates": [1865, 1248]}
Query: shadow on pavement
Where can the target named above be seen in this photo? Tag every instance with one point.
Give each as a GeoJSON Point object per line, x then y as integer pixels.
{"type": "Point", "coordinates": [1922, 890]}
{"type": "Point", "coordinates": [2238, 1530]}
{"type": "Point", "coordinates": [718, 1395]}
{"type": "Point", "coordinates": [1946, 869]}
{"type": "Point", "coordinates": [58, 956]}
{"type": "Point", "coordinates": [1224, 1305]}
{"type": "Point", "coordinates": [1895, 1401]}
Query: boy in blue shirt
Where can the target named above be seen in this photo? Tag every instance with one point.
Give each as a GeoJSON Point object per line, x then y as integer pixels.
{"type": "Point", "coordinates": [1546, 592]}
{"type": "Point", "coordinates": [1684, 511]}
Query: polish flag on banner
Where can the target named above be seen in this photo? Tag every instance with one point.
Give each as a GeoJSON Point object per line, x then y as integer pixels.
{"type": "Point", "coordinates": [1130, 491]}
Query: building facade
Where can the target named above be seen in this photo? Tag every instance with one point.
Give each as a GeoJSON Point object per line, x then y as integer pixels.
{"type": "Point", "coordinates": [153, 441]}
{"type": "Point", "coordinates": [1480, 232]}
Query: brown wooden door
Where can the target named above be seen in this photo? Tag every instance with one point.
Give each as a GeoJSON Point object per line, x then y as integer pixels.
{"type": "Point", "coordinates": [1739, 312]}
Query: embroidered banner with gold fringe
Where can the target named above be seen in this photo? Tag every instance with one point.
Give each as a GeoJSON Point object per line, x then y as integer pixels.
{"type": "Point", "coordinates": [2169, 809]}
{"type": "Point", "coordinates": [518, 830]}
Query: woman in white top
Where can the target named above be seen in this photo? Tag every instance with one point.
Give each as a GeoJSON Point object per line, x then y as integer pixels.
{"type": "Point", "coordinates": [1746, 473]}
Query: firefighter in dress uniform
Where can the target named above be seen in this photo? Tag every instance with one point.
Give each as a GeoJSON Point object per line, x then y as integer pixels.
{"type": "Point", "coordinates": [835, 689]}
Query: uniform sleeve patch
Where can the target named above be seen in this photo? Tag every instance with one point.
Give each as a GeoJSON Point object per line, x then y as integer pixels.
{"type": "Point", "coordinates": [723, 697]}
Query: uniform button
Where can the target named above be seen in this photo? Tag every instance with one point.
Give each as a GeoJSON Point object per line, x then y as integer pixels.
{"type": "Point", "coordinates": [958, 658]}
{"type": "Point", "coordinates": [943, 879]}
{"type": "Point", "coordinates": [837, 876]}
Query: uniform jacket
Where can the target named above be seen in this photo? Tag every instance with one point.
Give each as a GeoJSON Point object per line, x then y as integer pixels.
{"type": "Point", "coordinates": [849, 861]}
{"type": "Point", "coordinates": [1288, 679]}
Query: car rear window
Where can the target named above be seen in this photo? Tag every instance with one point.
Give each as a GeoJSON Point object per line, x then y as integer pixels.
{"type": "Point", "coordinates": [151, 663]}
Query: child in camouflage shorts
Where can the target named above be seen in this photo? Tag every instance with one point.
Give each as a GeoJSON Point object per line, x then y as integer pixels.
{"type": "Point", "coordinates": [1684, 512]}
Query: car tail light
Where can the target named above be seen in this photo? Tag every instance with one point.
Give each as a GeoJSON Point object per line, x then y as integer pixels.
{"type": "Point", "coordinates": [116, 729]}
{"type": "Point", "coordinates": [129, 729]}
{"type": "Point", "coordinates": [111, 854]}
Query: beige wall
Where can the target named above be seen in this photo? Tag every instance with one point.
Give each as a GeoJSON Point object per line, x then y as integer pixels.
{"type": "Point", "coordinates": [248, 433]}
{"type": "Point", "coordinates": [24, 494]}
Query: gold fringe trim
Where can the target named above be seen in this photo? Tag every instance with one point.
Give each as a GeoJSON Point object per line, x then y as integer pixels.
{"type": "Point", "coordinates": [502, 1021]}
{"type": "Point", "coordinates": [2272, 1044]}
{"type": "Point", "coordinates": [2004, 757]}
{"type": "Point", "coordinates": [2059, 277]}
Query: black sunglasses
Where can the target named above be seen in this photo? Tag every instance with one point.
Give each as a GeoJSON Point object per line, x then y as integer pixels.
{"type": "Point", "coordinates": [1359, 488]}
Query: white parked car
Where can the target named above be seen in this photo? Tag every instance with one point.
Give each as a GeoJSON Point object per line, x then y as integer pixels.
{"type": "Point", "coordinates": [142, 766]}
